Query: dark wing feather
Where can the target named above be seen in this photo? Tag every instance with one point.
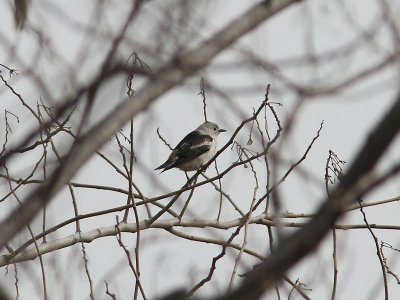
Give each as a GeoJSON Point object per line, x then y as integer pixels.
{"type": "Point", "coordinates": [192, 145]}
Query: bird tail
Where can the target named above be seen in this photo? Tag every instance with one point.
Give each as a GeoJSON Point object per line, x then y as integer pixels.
{"type": "Point", "coordinates": [166, 166]}
{"type": "Point", "coordinates": [170, 163]}
{"type": "Point", "coordinates": [161, 167]}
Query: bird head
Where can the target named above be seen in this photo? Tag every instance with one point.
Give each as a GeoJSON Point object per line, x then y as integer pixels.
{"type": "Point", "coordinates": [210, 128]}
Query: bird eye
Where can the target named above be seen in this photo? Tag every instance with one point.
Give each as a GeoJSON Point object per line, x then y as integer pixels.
{"type": "Point", "coordinates": [215, 129]}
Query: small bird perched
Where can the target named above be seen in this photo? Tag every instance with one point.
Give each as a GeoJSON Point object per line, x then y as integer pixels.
{"type": "Point", "coordinates": [195, 150]}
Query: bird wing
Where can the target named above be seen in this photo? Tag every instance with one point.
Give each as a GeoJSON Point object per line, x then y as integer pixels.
{"type": "Point", "coordinates": [192, 145]}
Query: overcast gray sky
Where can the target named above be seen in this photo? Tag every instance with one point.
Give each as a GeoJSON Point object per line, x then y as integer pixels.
{"type": "Point", "coordinates": [69, 56]}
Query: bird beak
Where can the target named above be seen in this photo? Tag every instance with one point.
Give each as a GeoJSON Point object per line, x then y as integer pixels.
{"type": "Point", "coordinates": [221, 130]}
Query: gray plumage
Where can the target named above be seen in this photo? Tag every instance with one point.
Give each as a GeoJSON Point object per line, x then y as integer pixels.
{"type": "Point", "coordinates": [195, 150]}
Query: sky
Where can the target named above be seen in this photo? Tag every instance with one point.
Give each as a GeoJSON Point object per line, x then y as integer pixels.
{"type": "Point", "coordinates": [65, 56]}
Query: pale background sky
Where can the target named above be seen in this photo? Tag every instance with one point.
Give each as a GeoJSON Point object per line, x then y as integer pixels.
{"type": "Point", "coordinates": [168, 262]}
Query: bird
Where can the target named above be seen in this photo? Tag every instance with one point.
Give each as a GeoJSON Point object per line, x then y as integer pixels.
{"type": "Point", "coordinates": [195, 150]}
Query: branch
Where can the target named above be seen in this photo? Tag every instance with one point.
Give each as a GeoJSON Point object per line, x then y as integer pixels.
{"type": "Point", "coordinates": [90, 236]}
{"type": "Point", "coordinates": [378, 252]}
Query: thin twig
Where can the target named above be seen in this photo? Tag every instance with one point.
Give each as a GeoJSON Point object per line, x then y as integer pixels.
{"type": "Point", "coordinates": [75, 205]}
{"type": "Point", "coordinates": [248, 216]}
{"type": "Point", "coordinates": [220, 193]}
{"type": "Point", "coordinates": [203, 95]}
{"type": "Point", "coordinates": [86, 266]}
{"type": "Point", "coordinates": [112, 296]}
{"type": "Point", "coordinates": [335, 268]}
{"type": "Point", "coordinates": [187, 201]}
{"type": "Point", "coordinates": [378, 253]}
{"type": "Point", "coordinates": [164, 140]}
{"type": "Point", "coordinates": [386, 245]}
{"type": "Point", "coordinates": [128, 256]}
